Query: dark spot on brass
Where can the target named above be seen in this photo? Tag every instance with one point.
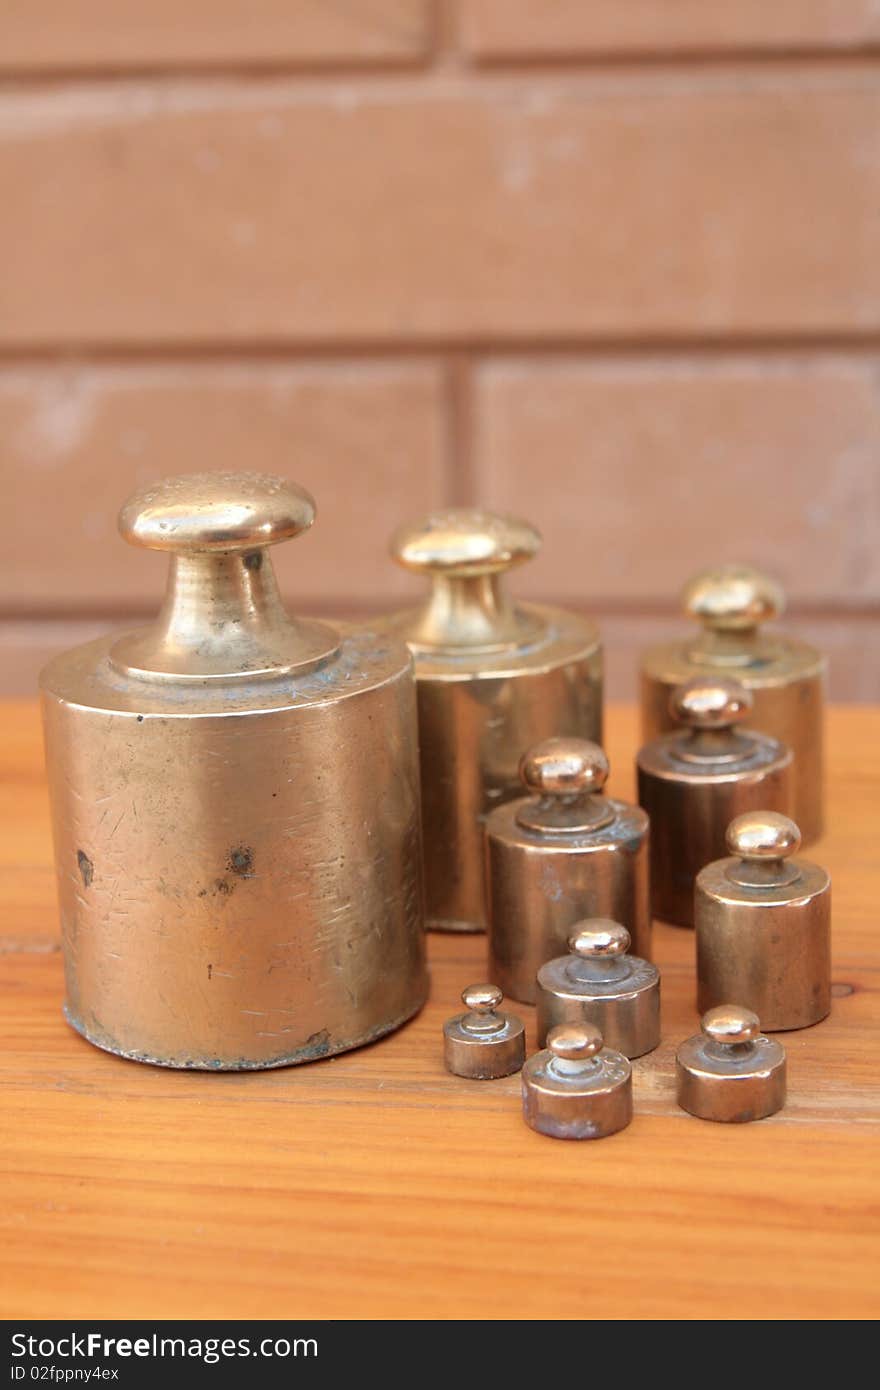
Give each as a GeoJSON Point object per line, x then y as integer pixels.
{"type": "Point", "coordinates": [254, 560]}
{"type": "Point", "coordinates": [86, 868]}
{"type": "Point", "coordinates": [316, 1045]}
{"type": "Point", "coordinates": [223, 886]}
{"type": "Point", "coordinates": [140, 719]}
{"type": "Point", "coordinates": [241, 861]}
{"type": "Point", "coordinates": [840, 990]}
{"type": "Point", "coordinates": [210, 971]}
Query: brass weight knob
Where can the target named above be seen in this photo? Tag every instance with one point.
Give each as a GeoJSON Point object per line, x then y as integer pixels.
{"type": "Point", "coordinates": [223, 616]}
{"type": "Point", "coordinates": [709, 708]}
{"type": "Point", "coordinates": [762, 841]}
{"type": "Point", "coordinates": [565, 776]}
{"type": "Point", "coordinates": [577, 1088]}
{"type": "Point", "coordinates": [483, 1043]}
{"type": "Point", "coordinates": [600, 984]}
{"type": "Point", "coordinates": [729, 1071]}
{"type": "Point", "coordinates": [733, 598]}
{"type": "Point", "coordinates": [465, 554]}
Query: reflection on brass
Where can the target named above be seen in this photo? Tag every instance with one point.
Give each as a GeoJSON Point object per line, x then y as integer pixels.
{"type": "Point", "coordinates": [763, 922]}
{"type": "Point", "coordinates": [786, 678]}
{"type": "Point", "coordinates": [695, 782]}
{"type": "Point", "coordinates": [728, 1071]}
{"type": "Point", "coordinates": [600, 983]}
{"type": "Point", "coordinates": [562, 853]}
{"type": "Point", "coordinates": [483, 1043]}
{"type": "Point", "coordinates": [494, 676]}
{"type": "Point", "coordinates": [577, 1088]}
{"type": "Point", "coordinates": [235, 805]}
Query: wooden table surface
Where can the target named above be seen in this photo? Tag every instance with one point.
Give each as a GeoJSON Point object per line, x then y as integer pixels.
{"type": "Point", "coordinates": [375, 1185]}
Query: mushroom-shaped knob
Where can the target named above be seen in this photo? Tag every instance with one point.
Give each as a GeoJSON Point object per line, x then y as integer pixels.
{"type": "Point", "coordinates": [482, 999]}
{"type": "Point", "coordinates": [708, 702]}
{"type": "Point", "coordinates": [573, 1042]}
{"type": "Point", "coordinates": [759, 836]}
{"type": "Point", "coordinates": [216, 512]}
{"type": "Point", "coordinates": [598, 938]}
{"type": "Point", "coordinates": [730, 1025]}
{"type": "Point", "coordinates": [564, 767]}
{"type": "Point", "coordinates": [464, 543]}
{"type": "Point", "coordinates": [733, 598]}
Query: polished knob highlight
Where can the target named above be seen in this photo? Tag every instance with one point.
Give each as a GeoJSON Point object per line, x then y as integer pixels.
{"type": "Point", "coordinates": [759, 836]}
{"type": "Point", "coordinates": [710, 703]}
{"type": "Point", "coordinates": [465, 543]}
{"type": "Point", "coordinates": [599, 939]}
{"type": "Point", "coordinates": [564, 767]}
{"type": "Point", "coordinates": [216, 511]}
{"type": "Point", "coordinates": [733, 598]}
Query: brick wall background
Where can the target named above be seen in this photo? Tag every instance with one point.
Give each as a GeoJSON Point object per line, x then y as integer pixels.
{"type": "Point", "coordinates": [613, 266]}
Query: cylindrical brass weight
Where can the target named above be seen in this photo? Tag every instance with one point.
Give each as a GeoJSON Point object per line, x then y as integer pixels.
{"type": "Point", "coordinates": [563, 853]}
{"type": "Point", "coordinates": [577, 1088]}
{"type": "Point", "coordinates": [600, 983]}
{"type": "Point", "coordinates": [728, 1071]}
{"type": "Point", "coordinates": [235, 805]}
{"type": "Point", "coordinates": [786, 678]}
{"type": "Point", "coordinates": [763, 923]}
{"type": "Point", "coordinates": [494, 677]}
{"type": "Point", "coordinates": [695, 782]}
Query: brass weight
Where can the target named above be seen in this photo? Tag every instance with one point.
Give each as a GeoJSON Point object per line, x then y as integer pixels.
{"type": "Point", "coordinates": [763, 921]}
{"type": "Point", "coordinates": [494, 676]}
{"type": "Point", "coordinates": [786, 678]}
{"type": "Point", "coordinates": [235, 805]}
{"type": "Point", "coordinates": [562, 853]}
{"type": "Point", "coordinates": [693, 783]}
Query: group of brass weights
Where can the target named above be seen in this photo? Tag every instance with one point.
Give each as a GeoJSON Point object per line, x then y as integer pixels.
{"type": "Point", "coordinates": [567, 865]}
{"type": "Point", "coordinates": [241, 799]}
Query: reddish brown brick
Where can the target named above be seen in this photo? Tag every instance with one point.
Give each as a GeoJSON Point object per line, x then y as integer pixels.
{"type": "Point", "coordinates": [641, 471]}
{"type": "Point", "coordinates": [522, 29]}
{"type": "Point", "coordinates": [649, 205]}
{"type": "Point", "coordinates": [122, 34]}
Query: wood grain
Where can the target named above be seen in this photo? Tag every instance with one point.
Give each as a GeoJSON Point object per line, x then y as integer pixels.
{"type": "Point", "coordinates": [374, 1185]}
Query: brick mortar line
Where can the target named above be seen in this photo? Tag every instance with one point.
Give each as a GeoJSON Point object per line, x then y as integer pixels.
{"type": "Point", "coordinates": [443, 62]}
{"type": "Point", "coordinates": [478, 351]}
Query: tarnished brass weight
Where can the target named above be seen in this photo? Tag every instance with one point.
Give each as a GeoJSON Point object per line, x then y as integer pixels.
{"type": "Point", "coordinates": [577, 1088]}
{"type": "Point", "coordinates": [235, 805]}
{"type": "Point", "coordinates": [599, 983]}
{"type": "Point", "coordinates": [786, 678]}
{"type": "Point", "coordinates": [562, 853]}
{"type": "Point", "coordinates": [494, 676]}
{"type": "Point", "coordinates": [483, 1043]}
{"type": "Point", "coordinates": [763, 924]}
{"type": "Point", "coordinates": [695, 782]}
{"type": "Point", "coordinates": [728, 1071]}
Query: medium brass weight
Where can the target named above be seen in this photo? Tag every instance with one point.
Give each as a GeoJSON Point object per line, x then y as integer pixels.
{"type": "Point", "coordinates": [235, 805]}
{"type": "Point", "coordinates": [494, 677]}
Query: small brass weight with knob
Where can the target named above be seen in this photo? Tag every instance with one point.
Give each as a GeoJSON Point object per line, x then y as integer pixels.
{"type": "Point", "coordinates": [483, 1043]}
{"type": "Point", "coordinates": [577, 1088]}
{"type": "Point", "coordinates": [494, 676]}
{"type": "Point", "coordinates": [557, 855]}
{"type": "Point", "coordinates": [238, 852]}
{"type": "Point", "coordinates": [786, 677]}
{"type": "Point", "coordinates": [763, 920]}
{"type": "Point", "coordinates": [693, 783]}
{"type": "Point", "coordinates": [729, 1071]}
{"type": "Point", "coordinates": [600, 983]}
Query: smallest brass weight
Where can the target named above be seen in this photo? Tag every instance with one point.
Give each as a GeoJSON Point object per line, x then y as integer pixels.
{"type": "Point", "coordinates": [730, 1071]}
{"type": "Point", "coordinates": [577, 1088]}
{"type": "Point", "coordinates": [483, 1044]}
{"type": "Point", "coordinates": [599, 983]}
